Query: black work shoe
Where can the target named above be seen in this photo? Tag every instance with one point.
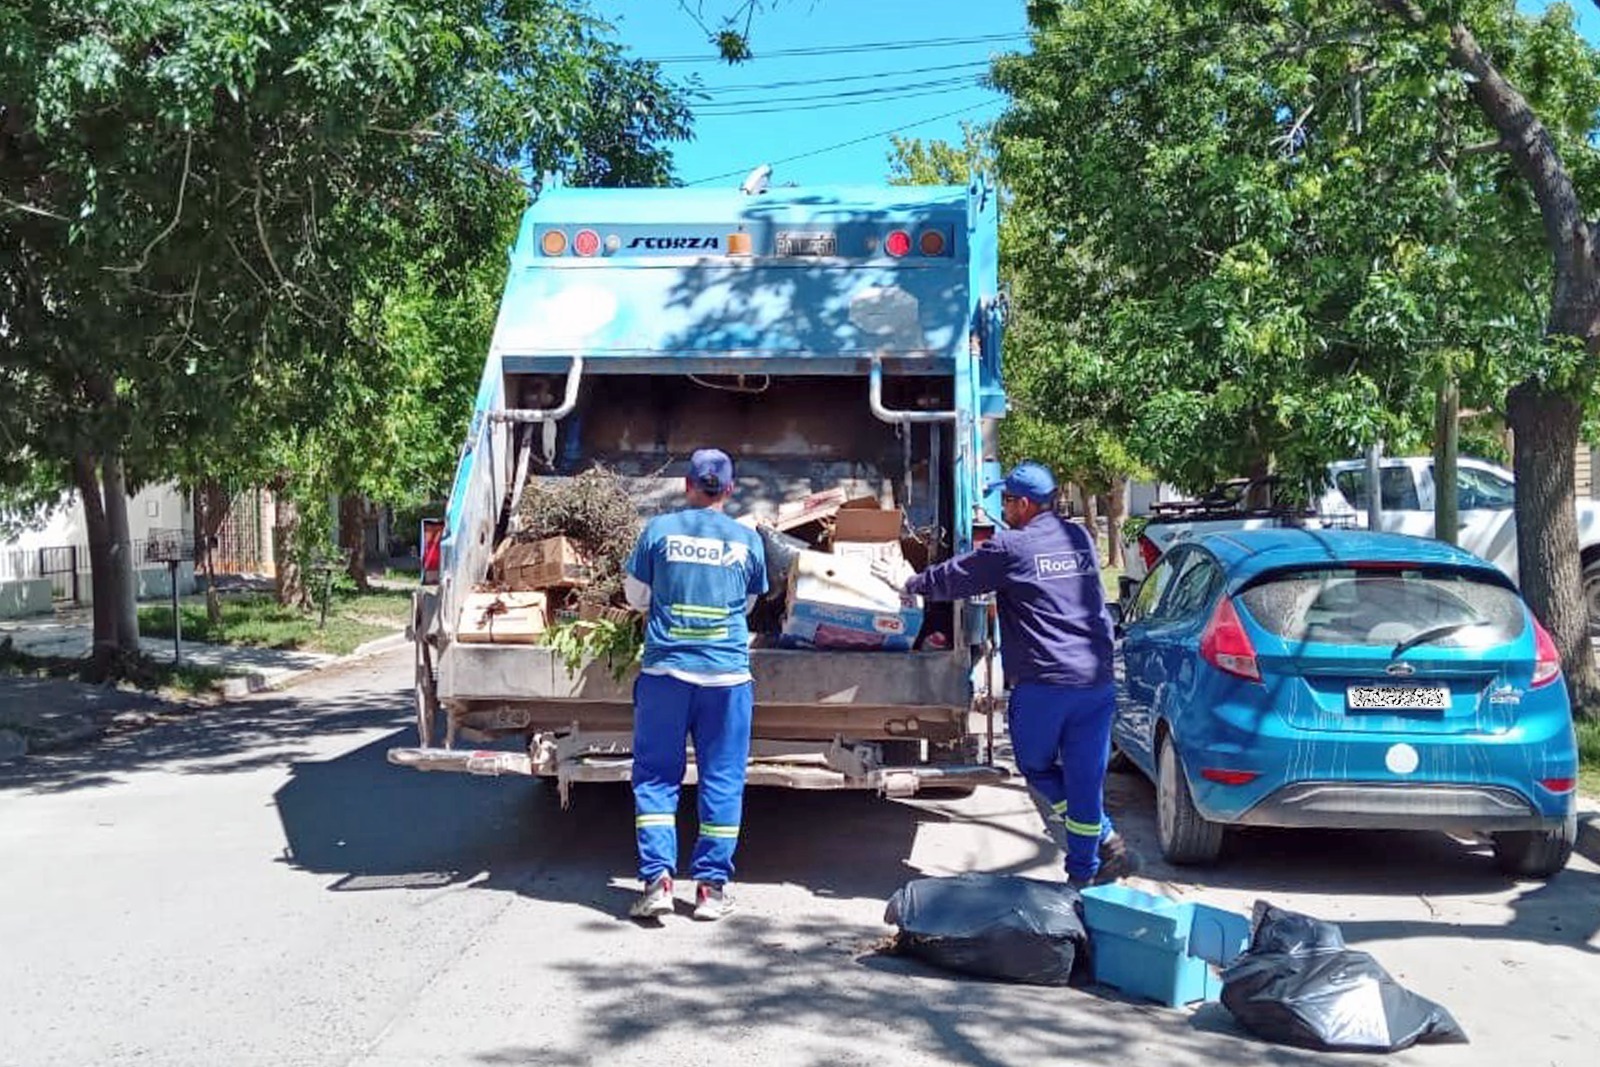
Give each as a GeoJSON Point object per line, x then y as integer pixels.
{"type": "Point", "coordinates": [1117, 860]}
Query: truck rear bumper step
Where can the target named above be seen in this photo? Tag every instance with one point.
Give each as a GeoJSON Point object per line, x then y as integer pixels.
{"type": "Point", "coordinates": [890, 781]}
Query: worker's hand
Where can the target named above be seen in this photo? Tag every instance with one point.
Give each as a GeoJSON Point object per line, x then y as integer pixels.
{"type": "Point", "coordinates": [893, 574]}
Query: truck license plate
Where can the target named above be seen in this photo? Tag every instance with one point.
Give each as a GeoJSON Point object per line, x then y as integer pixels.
{"type": "Point", "coordinates": [1399, 697]}
{"type": "Point", "coordinates": [807, 244]}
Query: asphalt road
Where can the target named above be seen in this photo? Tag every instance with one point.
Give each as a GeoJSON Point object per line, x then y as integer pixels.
{"type": "Point", "coordinates": [257, 886]}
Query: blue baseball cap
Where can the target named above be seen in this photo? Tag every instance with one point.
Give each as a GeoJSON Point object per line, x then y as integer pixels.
{"type": "Point", "coordinates": [1031, 481]}
{"type": "Point", "coordinates": [711, 471]}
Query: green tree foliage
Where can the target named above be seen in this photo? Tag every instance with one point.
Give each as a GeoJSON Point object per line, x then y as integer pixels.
{"type": "Point", "coordinates": [1281, 224]}
{"type": "Point", "coordinates": [207, 207]}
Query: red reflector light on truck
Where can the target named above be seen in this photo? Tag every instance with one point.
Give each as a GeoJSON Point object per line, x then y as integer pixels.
{"type": "Point", "coordinates": [586, 242]}
{"type": "Point", "coordinates": [897, 244]}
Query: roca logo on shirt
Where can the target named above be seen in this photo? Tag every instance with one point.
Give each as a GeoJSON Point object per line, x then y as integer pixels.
{"type": "Point", "coordinates": [1062, 565]}
{"type": "Point", "coordinates": [683, 549]}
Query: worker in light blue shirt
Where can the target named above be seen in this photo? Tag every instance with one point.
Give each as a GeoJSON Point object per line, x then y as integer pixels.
{"type": "Point", "coordinates": [695, 573]}
{"type": "Point", "coordinates": [1056, 649]}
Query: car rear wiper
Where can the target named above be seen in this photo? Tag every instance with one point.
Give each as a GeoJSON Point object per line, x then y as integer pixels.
{"type": "Point", "coordinates": [1433, 633]}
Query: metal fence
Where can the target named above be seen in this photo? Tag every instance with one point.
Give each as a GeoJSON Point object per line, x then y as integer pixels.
{"type": "Point", "coordinates": [59, 563]}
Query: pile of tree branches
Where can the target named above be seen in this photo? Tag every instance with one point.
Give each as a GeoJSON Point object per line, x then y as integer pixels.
{"type": "Point", "coordinates": [595, 511]}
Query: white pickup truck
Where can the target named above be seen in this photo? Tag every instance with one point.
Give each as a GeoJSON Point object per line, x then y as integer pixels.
{"type": "Point", "coordinates": [1486, 496]}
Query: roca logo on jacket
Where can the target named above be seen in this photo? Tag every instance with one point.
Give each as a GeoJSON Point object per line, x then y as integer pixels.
{"type": "Point", "coordinates": [681, 548]}
{"type": "Point", "coordinates": [1062, 565]}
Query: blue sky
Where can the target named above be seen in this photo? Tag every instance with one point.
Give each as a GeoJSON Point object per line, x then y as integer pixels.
{"type": "Point", "coordinates": [923, 59]}
{"type": "Point", "coordinates": [907, 65]}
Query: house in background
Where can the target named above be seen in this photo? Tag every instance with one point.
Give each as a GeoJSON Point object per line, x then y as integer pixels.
{"type": "Point", "coordinates": [50, 566]}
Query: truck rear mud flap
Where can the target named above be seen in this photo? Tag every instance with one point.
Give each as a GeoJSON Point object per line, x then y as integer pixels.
{"type": "Point", "coordinates": [818, 772]}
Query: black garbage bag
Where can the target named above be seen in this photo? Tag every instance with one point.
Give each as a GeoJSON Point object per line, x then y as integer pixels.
{"type": "Point", "coordinates": [994, 926]}
{"type": "Point", "coordinates": [1297, 983]}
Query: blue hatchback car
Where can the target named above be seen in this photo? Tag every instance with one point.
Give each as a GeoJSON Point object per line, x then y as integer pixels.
{"type": "Point", "coordinates": [1339, 678]}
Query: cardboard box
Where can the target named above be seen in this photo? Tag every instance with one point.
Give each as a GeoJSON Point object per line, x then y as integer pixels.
{"type": "Point", "coordinates": [552, 563]}
{"type": "Point", "coordinates": [814, 508]}
{"type": "Point", "coordinates": [870, 534]}
{"type": "Point", "coordinates": [512, 618]}
{"type": "Point", "coordinates": [835, 602]}
{"type": "Point", "coordinates": [868, 525]}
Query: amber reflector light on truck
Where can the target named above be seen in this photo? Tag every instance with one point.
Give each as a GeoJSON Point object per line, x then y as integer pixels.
{"type": "Point", "coordinates": [553, 243]}
{"type": "Point", "coordinates": [931, 243]}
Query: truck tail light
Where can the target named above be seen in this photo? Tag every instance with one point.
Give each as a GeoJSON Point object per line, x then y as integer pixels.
{"type": "Point", "coordinates": [898, 243]}
{"type": "Point", "coordinates": [1546, 660]}
{"type": "Point", "coordinates": [586, 242]}
{"type": "Point", "coordinates": [931, 243]}
{"type": "Point", "coordinates": [431, 543]}
{"type": "Point", "coordinates": [1226, 646]}
{"type": "Point", "coordinates": [553, 243]}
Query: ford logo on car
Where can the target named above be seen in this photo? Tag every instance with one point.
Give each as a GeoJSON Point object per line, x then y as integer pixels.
{"type": "Point", "coordinates": [1400, 670]}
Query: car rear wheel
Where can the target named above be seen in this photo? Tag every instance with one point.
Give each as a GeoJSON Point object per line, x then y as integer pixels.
{"type": "Point", "coordinates": [1591, 590]}
{"type": "Point", "coordinates": [1536, 853]}
{"type": "Point", "coordinates": [1185, 835]}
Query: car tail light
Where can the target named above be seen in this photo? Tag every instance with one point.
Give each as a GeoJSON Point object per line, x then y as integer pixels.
{"type": "Point", "coordinates": [1546, 660]}
{"type": "Point", "coordinates": [1149, 551]}
{"type": "Point", "coordinates": [897, 244]}
{"type": "Point", "coordinates": [1226, 646]}
{"type": "Point", "coordinates": [1226, 777]}
{"type": "Point", "coordinates": [1558, 785]}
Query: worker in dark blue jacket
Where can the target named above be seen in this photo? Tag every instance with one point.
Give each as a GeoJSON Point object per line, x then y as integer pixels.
{"type": "Point", "coordinates": [1056, 649]}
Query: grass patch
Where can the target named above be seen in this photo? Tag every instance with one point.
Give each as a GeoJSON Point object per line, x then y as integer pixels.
{"type": "Point", "coordinates": [1588, 757]}
{"type": "Point", "coordinates": [260, 621]}
{"type": "Point", "coordinates": [139, 671]}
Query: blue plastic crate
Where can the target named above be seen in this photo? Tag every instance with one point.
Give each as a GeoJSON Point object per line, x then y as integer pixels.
{"type": "Point", "coordinates": [1159, 948]}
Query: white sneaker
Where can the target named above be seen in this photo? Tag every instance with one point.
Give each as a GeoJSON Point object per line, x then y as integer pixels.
{"type": "Point", "coordinates": [712, 902]}
{"type": "Point", "coordinates": [656, 900]}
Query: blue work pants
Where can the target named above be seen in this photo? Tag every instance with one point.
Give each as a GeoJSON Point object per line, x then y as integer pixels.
{"type": "Point", "coordinates": [667, 712]}
{"type": "Point", "coordinates": [1061, 738]}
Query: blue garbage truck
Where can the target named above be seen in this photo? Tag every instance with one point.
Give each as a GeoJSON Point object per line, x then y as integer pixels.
{"type": "Point", "coordinates": [829, 337]}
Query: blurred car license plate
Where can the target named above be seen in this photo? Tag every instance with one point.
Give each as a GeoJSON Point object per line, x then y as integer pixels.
{"type": "Point", "coordinates": [1403, 697]}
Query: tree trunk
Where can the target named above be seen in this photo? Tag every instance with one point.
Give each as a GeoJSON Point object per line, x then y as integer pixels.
{"type": "Point", "coordinates": [124, 593]}
{"type": "Point", "coordinates": [1446, 448]}
{"type": "Point", "coordinates": [353, 539]}
{"type": "Point", "coordinates": [214, 505]}
{"type": "Point", "coordinates": [1091, 514]}
{"type": "Point", "coordinates": [104, 653]}
{"type": "Point", "coordinates": [290, 581]}
{"type": "Point", "coordinates": [1546, 425]}
{"type": "Point", "coordinates": [1116, 514]}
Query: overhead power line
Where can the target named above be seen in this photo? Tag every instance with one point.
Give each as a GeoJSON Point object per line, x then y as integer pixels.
{"type": "Point", "coordinates": [840, 99]}
{"type": "Point", "coordinates": [843, 144]}
{"type": "Point", "coordinates": [871, 76]}
{"type": "Point", "coordinates": [846, 49]}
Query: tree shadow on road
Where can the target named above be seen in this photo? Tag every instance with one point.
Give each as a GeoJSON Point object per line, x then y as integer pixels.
{"type": "Point", "coordinates": [376, 826]}
{"type": "Point", "coordinates": [260, 732]}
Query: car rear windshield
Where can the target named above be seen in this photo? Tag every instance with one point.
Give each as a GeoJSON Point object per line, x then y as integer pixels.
{"type": "Point", "coordinates": [1373, 606]}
